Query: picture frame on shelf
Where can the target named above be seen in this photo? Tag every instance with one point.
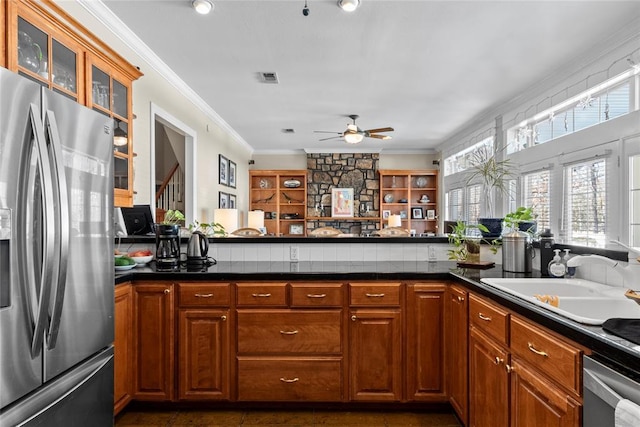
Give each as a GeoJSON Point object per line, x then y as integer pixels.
{"type": "Point", "coordinates": [431, 214]}
{"type": "Point", "coordinates": [417, 213]}
{"type": "Point", "coordinates": [223, 200]}
{"type": "Point", "coordinates": [386, 213]}
{"type": "Point", "coordinates": [342, 202]}
{"type": "Point", "coordinates": [232, 201]}
{"type": "Point", "coordinates": [296, 229]}
{"type": "Point", "coordinates": [403, 214]}
{"type": "Point", "coordinates": [223, 170]}
{"type": "Point", "coordinates": [232, 174]}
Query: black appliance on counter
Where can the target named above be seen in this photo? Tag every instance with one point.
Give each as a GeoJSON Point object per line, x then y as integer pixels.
{"type": "Point", "coordinates": [167, 247]}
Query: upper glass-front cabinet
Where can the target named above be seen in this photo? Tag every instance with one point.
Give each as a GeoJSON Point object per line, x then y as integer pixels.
{"type": "Point", "coordinates": [66, 58]}
{"type": "Point", "coordinates": [50, 60]}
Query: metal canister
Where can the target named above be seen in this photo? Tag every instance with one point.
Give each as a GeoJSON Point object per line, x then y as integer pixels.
{"type": "Point", "coordinates": [517, 252]}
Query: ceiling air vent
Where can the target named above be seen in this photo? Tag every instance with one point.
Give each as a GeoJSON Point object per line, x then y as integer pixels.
{"type": "Point", "coordinates": [288, 130]}
{"type": "Point", "coordinates": [269, 77]}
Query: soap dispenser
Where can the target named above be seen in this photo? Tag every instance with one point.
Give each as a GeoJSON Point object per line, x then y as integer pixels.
{"type": "Point", "coordinates": [556, 267]}
{"type": "Point", "coordinates": [570, 271]}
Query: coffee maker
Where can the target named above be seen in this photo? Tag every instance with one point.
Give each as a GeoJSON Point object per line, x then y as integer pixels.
{"type": "Point", "coordinates": [167, 247]}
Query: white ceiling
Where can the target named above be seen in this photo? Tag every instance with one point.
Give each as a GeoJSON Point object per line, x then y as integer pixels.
{"type": "Point", "coordinates": [425, 68]}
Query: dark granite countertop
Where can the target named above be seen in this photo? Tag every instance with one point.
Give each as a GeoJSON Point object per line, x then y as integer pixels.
{"type": "Point", "coordinates": [621, 351]}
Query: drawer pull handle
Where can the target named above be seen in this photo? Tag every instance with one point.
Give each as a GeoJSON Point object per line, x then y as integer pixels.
{"type": "Point", "coordinates": [483, 317]}
{"type": "Point", "coordinates": [498, 360]}
{"type": "Point", "coordinates": [203, 295]}
{"type": "Point", "coordinates": [167, 291]}
{"type": "Point", "coordinates": [223, 318]}
{"type": "Point", "coordinates": [460, 299]}
{"type": "Point", "coordinates": [375, 295]}
{"type": "Point", "coordinates": [261, 295]}
{"type": "Point", "coordinates": [536, 351]}
{"type": "Point", "coordinates": [316, 295]}
{"type": "Point", "coordinates": [288, 332]}
{"type": "Point", "coordinates": [293, 380]}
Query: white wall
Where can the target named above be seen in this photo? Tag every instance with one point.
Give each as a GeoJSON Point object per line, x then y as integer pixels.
{"type": "Point", "coordinates": [387, 161]}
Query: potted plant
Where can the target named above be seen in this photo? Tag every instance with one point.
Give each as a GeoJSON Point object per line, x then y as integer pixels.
{"type": "Point", "coordinates": [170, 225]}
{"type": "Point", "coordinates": [493, 175]}
{"type": "Point", "coordinates": [466, 244]}
{"type": "Point", "coordinates": [522, 219]}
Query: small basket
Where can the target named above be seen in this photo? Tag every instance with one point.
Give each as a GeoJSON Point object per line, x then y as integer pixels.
{"type": "Point", "coordinates": [633, 295]}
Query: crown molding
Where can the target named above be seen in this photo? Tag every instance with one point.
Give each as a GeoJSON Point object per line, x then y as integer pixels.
{"type": "Point", "coordinates": [119, 29]}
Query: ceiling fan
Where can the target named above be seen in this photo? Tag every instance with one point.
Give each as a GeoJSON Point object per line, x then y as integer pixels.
{"type": "Point", "coordinates": [353, 134]}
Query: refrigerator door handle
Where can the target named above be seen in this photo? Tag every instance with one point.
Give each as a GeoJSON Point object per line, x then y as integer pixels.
{"type": "Point", "coordinates": [61, 224]}
{"type": "Point", "coordinates": [48, 234]}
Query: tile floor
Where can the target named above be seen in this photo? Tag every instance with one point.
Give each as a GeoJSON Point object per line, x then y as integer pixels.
{"type": "Point", "coordinates": [280, 418]}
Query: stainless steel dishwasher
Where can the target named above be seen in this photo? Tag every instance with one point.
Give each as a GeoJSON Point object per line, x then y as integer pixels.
{"type": "Point", "coordinates": [603, 388]}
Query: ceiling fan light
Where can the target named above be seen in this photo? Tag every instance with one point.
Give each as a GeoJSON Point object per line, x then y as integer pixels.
{"type": "Point", "coordinates": [348, 5]}
{"type": "Point", "coordinates": [203, 7]}
{"type": "Point", "coordinates": [353, 138]}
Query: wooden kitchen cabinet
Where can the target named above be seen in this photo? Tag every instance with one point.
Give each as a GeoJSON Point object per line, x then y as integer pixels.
{"type": "Point", "coordinates": [402, 191]}
{"type": "Point", "coordinates": [425, 342]}
{"type": "Point", "coordinates": [456, 350]}
{"type": "Point", "coordinates": [375, 341]}
{"type": "Point", "coordinates": [123, 347]}
{"type": "Point", "coordinates": [154, 334]}
{"type": "Point", "coordinates": [204, 341]}
{"type": "Point", "coordinates": [284, 203]}
{"type": "Point", "coordinates": [47, 46]}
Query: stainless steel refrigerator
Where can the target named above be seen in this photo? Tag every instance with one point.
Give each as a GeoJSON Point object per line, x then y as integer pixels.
{"type": "Point", "coordinates": [56, 266]}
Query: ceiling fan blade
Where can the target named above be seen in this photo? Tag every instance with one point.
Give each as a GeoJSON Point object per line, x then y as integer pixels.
{"type": "Point", "coordinates": [379, 130]}
{"type": "Point", "coordinates": [327, 131]}
{"type": "Point", "coordinates": [333, 137]}
{"type": "Point", "coordinates": [379, 136]}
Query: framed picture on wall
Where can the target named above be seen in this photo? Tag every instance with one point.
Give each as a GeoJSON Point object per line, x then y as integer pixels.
{"type": "Point", "coordinates": [342, 202]}
{"type": "Point", "coordinates": [223, 168]}
{"type": "Point", "coordinates": [223, 200]}
{"type": "Point", "coordinates": [416, 213]}
{"type": "Point", "coordinates": [232, 174]}
{"type": "Point", "coordinates": [232, 201]}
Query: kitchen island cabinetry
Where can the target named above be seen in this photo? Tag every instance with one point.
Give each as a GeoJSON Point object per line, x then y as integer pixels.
{"type": "Point", "coordinates": [46, 45]}
{"type": "Point", "coordinates": [204, 341]}
{"type": "Point", "coordinates": [375, 341]}
{"type": "Point", "coordinates": [425, 341]}
{"type": "Point", "coordinates": [457, 349]}
{"type": "Point", "coordinates": [154, 333]}
{"type": "Point", "coordinates": [123, 347]}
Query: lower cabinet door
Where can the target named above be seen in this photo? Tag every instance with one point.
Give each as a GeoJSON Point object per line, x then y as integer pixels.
{"type": "Point", "coordinates": [536, 401]}
{"type": "Point", "coordinates": [204, 354]}
{"type": "Point", "coordinates": [289, 379]}
{"type": "Point", "coordinates": [488, 382]}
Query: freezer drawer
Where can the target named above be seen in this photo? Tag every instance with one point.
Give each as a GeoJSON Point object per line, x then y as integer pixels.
{"type": "Point", "coordinates": [80, 397]}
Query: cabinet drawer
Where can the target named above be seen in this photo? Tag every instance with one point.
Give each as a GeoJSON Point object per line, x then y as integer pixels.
{"type": "Point", "coordinates": [380, 294]}
{"type": "Point", "coordinates": [262, 294]}
{"type": "Point", "coordinates": [312, 295]}
{"type": "Point", "coordinates": [285, 331]}
{"type": "Point", "coordinates": [550, 355]}
{"type": "Point", "coordinates": [489, 318]}
{"type": "Point", "coordinates": [290, 379]}
{"type": "Point", "coordinates": [203, 295]}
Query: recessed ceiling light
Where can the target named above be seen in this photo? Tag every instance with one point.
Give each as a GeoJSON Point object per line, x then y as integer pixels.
{"type": "Point", "coordinates": [348, 5]}
{"type": "Point", "coordinates": [203, 7]}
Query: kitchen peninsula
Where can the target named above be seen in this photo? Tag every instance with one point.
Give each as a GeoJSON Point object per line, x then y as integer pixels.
{"type": "Point", "coordinates": [397, 331]}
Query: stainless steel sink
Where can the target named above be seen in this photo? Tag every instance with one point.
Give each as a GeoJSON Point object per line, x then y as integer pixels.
{"type": "Point", "coordinates": [580, 300]}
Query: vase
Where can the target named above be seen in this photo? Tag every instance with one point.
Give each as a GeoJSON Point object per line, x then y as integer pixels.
{"type": "Point", "coordinates": [494, 225]}
{"type": "Point", "coordinates": [472, 245]}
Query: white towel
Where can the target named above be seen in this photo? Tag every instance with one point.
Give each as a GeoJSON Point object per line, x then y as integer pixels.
{"type": "Point", "coordinates": [627, 414]}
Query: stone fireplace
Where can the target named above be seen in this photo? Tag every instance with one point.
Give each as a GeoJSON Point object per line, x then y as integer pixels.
{"type": "Point", "coordinates": [343, 170]}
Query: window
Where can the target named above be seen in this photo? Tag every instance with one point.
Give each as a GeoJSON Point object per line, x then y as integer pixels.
{"type": "Point", "coordinates": [474, 195]}
{"type": "Point", "coordinates": [585, 212]}
{"type": "Point", "coordinates": [634, 200]}
{"type": "Point", "coordinates": [454, 206]}
{"type": "Point", "coordinates": [462, 160]}
{"type": "Point", "coordinates": [536, 194]}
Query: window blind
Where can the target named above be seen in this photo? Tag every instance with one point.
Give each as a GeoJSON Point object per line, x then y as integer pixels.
{"type": "Point", "coordinates": [537, 195]}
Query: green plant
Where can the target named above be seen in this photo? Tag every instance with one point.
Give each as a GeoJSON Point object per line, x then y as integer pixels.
{"type": "Point", "coordinates": [520, 215]}
{"type": "Point", "coordinates": [491, 173]}
{"type": "Point", "coordinates": [213, 229]}
{"type": "Point", "coordinates": [460, 238]}
{"type": "Point", "coordinates": [173, 217]}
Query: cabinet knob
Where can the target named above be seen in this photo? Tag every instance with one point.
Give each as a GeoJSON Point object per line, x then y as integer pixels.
{"type": "Point", "coordinates": [223, 318]}
{"type": "Point", "coordinates": [353, 317]}
{"type": "Point", "coordinates": [460, 299]}
{"type": "Point", "coordinates": [167, 291]}
{"type": "Point", "coordinates": [509, 368]}
{"type": "Point", "coordinates": [498, 360]}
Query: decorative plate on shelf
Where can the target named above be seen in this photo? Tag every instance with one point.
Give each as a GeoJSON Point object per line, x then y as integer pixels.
{"type": "Point", "coordinates": [388, 198]}
{"type": "Point", "coordinates": [292, 183]}
{"type": "Point", "coordinates": [421, 182]}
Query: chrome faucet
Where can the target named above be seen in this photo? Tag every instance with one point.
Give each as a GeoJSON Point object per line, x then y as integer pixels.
{"type": "Point", "coordinates": [630, 273]}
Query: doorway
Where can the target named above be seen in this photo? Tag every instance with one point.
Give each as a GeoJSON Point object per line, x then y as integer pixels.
{"type": "Point", "coordinates": [173, 165]}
